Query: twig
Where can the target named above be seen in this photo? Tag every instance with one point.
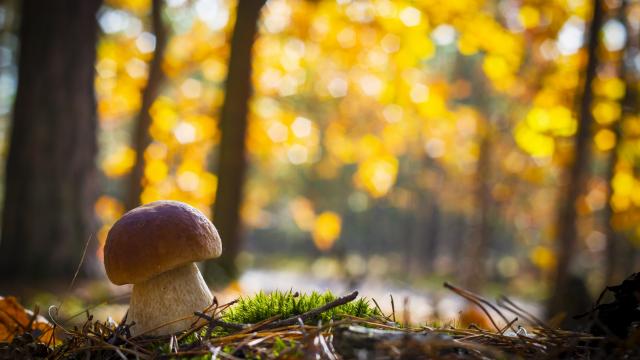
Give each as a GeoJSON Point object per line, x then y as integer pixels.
{"type": "Point", "coordinates": [473, 300]}
{"type": "Point", "coordinates": [217, 322]}
{"type": "Point", "coordinates": [312, 313]}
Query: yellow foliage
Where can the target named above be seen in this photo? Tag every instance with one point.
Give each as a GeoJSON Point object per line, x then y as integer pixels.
{"type": "Point", "coordinates": [155, 171]}
{"type": "Point", "coordinates": [119, 162]}
{"type": "Point", "coordinates": [108, 209]}
{"type": "Point", "coordinates": [529, 17]}
{"type": "Point", "coordinates": [623, 183]}
{"type": "Point", "coordinates": [303, 213]}
{"type": "Point", "coordinates": [532, 142]}
{"type": "Point", "coordinates": [605, 139]}
{"type": "Point", "coordinates": [612, 88]}
{"type": "Point", "coordinates": [543, 257]}
{"type": "Point", "coordinates": [326, 230]}
{"type": "Point", "coordinates": [377, 174]}
{"type": "Point", "coordinates": [606, 112]}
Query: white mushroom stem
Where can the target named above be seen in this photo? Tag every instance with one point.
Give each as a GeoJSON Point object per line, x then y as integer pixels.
{"type": "Point", "coordinates": [172, 295]}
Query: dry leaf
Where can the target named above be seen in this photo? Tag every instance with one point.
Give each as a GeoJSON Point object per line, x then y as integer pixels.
{"type": "Point", "coordinates": [15, 319]}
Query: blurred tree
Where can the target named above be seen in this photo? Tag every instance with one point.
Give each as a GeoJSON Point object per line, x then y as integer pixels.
{"type": "Point", "coordinates": [51, 173]}
{"type": "Point", "coordinates": [575, 177]}
{"type": "Point", "coordinates": [141, 137]}
{"type": "Point", "coordinates": [231, 164]}
{"type": "Point", "coordinates": [619, 251]}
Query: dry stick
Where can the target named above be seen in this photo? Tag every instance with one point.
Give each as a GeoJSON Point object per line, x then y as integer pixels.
{"type": "Point", "coordinates": [486, 302]}
{"type": "Point", "coordinates": [508, 326]}
{"type": "Point", "coordinates": [520, 311]}
{"type": "Point", "coordinates": [270, 323]}
{"type": "Point", "coordinates": [468, 295]}
{"type": "Point", "coordinates": [393, 308]}
{"type": "Point", "coordinates": [315, 312]}
{"type": "Point", "coordinates": [213, 322]}
{"type": "Point", "coordinates": [473, 300]}
{"type": "Point", "coordinates": [380, 309]}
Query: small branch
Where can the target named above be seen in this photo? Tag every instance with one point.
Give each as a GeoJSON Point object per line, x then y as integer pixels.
{"type": "Point", "coordinates": [312, 313]}
{"type": "Point", "coordinates": [474, 299]}
{"type": "Point", "coordinates": [213, 322]}
{"type": "Point", "coordinates": [217, 322]}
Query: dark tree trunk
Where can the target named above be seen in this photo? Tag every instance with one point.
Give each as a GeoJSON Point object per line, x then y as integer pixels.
{"type": "Point", "coordinates": [232, 161]}
{"type": "Point", "coordinates": [474, 262]}
{"type": "Point", "coordinates": [618, 251]}
{"type": "Point", "coordinates": [566, 236]}
{"type": "Point", "coordinates": [141, 138]}
{"type": "Point", "coordinates": [51, 175]}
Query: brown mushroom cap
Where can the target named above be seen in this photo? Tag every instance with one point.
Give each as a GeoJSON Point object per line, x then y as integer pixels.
{"type": "Point", "coordinates": [158, 237]}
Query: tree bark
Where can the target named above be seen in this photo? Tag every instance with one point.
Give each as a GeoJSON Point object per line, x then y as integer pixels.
{"type": "Point", "coordinates": [51, 182]}
{"type": "Point", "coordinates": [573, 186]}
{"type": "Point", "coordinates": [474, 264]}
{"type": "Point", "coordinates": [141, 138]}
{"type": "Point", "coordinates": [232, 161]}
{"type": "Point", "coordinates": [618, 250]}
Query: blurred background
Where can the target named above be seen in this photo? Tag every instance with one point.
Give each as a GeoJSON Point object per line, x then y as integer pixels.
{"type": "Point", "coordinates": [373, 144]}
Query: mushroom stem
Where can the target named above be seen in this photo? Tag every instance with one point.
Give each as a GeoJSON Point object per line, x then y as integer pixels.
{"type": "Point", "coordinates": [169, 296]}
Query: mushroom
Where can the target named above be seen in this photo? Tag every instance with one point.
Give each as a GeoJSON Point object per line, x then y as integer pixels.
{"type": "Point", "coordinates": [154, 247]}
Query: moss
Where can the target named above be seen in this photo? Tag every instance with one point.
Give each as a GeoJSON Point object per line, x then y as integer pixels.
{"type": "Point", "coordinates": [250, 310]}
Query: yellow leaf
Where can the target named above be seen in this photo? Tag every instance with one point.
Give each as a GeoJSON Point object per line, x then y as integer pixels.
{"type": "Point", "coordinates": [605, 139]}
{"type": "Point", "coordinates": [326, 230]}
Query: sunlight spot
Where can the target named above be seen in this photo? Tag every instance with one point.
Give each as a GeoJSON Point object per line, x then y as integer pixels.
{"type": "Point", "coordinates": [188, 181]}
{"type": "Point", "coordinates": [301, 127]}
{"type": "Point", "coordinates": [146, 42]}
{"type": "Point", "coordinates": [337, 87]}
{"type": "Point", "coordinates": [370, 85]}
{"type": "Point", "coordinates": [410, 16]}
{"type": "Point", "coordinates": [615, 36]}
{"type": "Point", "coordinates": [113, 21]}
{"type": "Point", "coordinates": [548, 49]}
{"type": "Point", "coordinates": [136, 68]}
{"type": "Point", "coordinates": [107, 68]}
{"type": "Point", "coordinates": [419, 93]}
{"type": "Point", "coordinates": [390, 43]}
{"type": "Point", "coordinates": [213, 13]}
{"type": "Point", "coordinates": [347, 38]}
{"type": "Point", "coordinates": [191, 88]}
{"type": "Point", "coordinates": [392, 113]}
{"type": "Point", "coordinates": [176, 3]}
{"type": "Point", "coordinates": [278, 132]}
{"type": "Point", "coordinates": [434, 148]}
{"type": "Point", "coordinates": [444, 34]}
{"type": "Point", "coordinates": [571, 36]}
{"type": "Point", "coordinates": [185, 133]}
{"type": "Point", "coordinates": [297, 154]}
{"type": "Point", "coordinates": [277, 16]}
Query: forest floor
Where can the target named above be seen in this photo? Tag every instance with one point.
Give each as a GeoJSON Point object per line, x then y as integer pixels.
{"type": "Point", "coordinates": [385, 320]}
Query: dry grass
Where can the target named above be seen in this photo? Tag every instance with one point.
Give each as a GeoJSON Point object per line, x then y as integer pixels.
{"type": "Point", "coordinates": [310, 331]}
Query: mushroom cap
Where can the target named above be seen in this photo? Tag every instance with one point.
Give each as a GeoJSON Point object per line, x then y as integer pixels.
{"type": "Point", "coordinates": [158, 237]}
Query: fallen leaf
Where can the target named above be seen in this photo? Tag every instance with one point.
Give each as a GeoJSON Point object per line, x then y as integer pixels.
{"type": "Point", "coordinates": [15, 320]}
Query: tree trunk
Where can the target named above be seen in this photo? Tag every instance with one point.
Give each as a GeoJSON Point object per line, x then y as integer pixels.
{"type": "Point", "coordinates": [51, 175]}
{"type": "Point", "coordinates": [141, 138]}
{"type": "Point", "coordinates": [566, 235]}
{"type": "Point", "coordinates": [232, 161]}
{"type": "Point", "coordinates": [618, 250]}
{"type": "Point", "coordinates": [474, 262]}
